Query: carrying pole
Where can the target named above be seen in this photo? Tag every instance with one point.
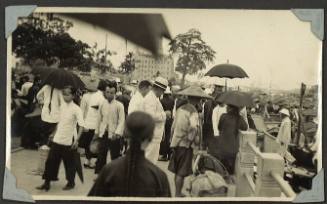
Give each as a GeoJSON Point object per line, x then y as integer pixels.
{"type": "Point", "coordinates": [299, 125]}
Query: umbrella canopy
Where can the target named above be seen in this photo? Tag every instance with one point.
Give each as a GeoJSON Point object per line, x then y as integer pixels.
{"type": "Point", "coordinates": [43, 72]}
{"type": "Point", "coordinates": [145, 30]}
{"type": "Point", "coordinates": [60, 78]}
{"type": "Point", "coordinates": [236, 98]}
{"type": "Point", "coordinates": [78, 165]}
{"type": "Point", "coordinates": [227, 71]}
{"type": "Point", "coordinates": [194, 91]}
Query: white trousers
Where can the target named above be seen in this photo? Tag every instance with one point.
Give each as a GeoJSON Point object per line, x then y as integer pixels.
{"type": "Point", "coordinates": [152, 151]}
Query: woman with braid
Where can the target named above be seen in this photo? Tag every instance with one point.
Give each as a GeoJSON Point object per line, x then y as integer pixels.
{"type": "Point", "coordinates": [133, 175]}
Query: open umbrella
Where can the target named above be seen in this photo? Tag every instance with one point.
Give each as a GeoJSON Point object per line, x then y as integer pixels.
{"type": "Point", "coordinates": [145, 30]}
{"type": "Point", "coordinates": [60, 78]}
{"type": "Point", "coordinates": [230, 71]}
{"type": "Point", "coordinates": [236, 98]}
{"type": "Point", "coordinates": [43, 72]}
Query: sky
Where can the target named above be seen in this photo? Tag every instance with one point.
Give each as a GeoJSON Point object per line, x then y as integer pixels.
{"type": "Point", "coordinates": [274, 47]}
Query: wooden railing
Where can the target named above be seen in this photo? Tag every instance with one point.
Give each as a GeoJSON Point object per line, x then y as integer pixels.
{"type": "Point", "coordinates": [269, 181]}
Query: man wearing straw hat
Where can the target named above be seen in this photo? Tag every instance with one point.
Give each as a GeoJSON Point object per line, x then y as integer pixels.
{"type": "Point", "coordinates": [284, 133]}
{"type": "Point", "coordinates": [186, 131]}
{"type": "Point", "coordinates": [152, 106]}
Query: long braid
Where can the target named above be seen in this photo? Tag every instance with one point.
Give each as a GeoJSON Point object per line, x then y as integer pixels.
{"type": "Point", "coordinates": [139, 128]}
{"type": "Point", "coordinates": [132, 162]}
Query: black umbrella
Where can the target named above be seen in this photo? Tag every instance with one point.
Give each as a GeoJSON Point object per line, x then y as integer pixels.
{"type": "Point", "coordinates": [145, 30]}
{"type": "Point", "coordinates": [78, 165]}
{"type": "Point", "coordinates": [236, 98]}
{"type": "Point", "coordinates": [227, 71]}
{"type": "Point", "coordinates": [60, 78]}
{"type": "Point", "coordinates": [230, 71]}
{"type": "Point", "coordinates": [43, 72]}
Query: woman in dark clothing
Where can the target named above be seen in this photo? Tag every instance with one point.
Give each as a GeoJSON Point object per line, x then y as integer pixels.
{"type": "Point", "coordinates": [229, 125]}
{"type": "Point", "coordinates": [133, 175]}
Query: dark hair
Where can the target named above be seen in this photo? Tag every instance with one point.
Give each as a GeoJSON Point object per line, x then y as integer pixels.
{"type": "Point", "coordinates": [102, 85]}
{"type": "Point", "coordinates": [144, 84]}
{"type": "Point", "coordinates": [139, 127]}
{"type": "Point", "coordinates": [72, 89]}
{"type": "Point", "coordinates": [112, 84]}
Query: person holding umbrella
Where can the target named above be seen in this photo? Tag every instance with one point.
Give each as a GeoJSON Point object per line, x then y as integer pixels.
{"type": "Point", "coordinates": [186, 131]}
{"type": "Point", "coordinates": [65, 142]}
{"type": "Point", "coordinates": [229, 125]}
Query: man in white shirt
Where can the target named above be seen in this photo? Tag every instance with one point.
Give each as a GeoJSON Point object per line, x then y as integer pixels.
{"type": "Point", "coordinates": [51, 98]}
{"type": "Point", "coordinates": [65, 142]}
{"type": "Point", "coordinates": [216, 114]}
{"type": "Point", "coordinates": [152, 106]}
{"type": "Point", "coordinates": [90, 104]}
{"type": "Point", "coordinates": [110, 126]}
{"type": "Point", "coordinates": [136, 102]}
{"type": "Point", "coordinates": [26, 86]}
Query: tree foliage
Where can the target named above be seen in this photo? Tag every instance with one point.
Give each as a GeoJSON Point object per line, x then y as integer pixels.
{"type": "Point", "coordinates": [128, 65]}
{"type": "Point", "coordinates": [45, 37]}
{"type": "Point", "coordinates": [192, 52]}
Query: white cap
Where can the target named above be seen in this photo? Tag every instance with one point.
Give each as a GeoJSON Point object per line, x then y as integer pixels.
{"type": "Point", "coordinates": [161, 82]}
{"type": "Point", "coordinates": [285, 112]}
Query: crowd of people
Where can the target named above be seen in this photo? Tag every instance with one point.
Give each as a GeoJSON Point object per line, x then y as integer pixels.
{"type": "Point", "coordinates": [153, 124]}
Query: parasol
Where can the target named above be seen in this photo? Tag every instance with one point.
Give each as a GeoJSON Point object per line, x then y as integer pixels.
{"type": "Point", "coordinates": [236, 98]}
{"type": "Point", "coordinates": [230, 71]}
{"type": "Point", "coordinates": [60, 78]}
{"type": "Point", "coordinates": [43, 72]}
{"type": "Point", "coordinates": [145, 30]}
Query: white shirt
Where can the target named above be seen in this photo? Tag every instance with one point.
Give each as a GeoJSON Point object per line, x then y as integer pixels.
{"type": "Point", "coordinates": [284, 133]}
{"type": "Point", "coordinates": [57, 99]}
{"type": "Point", "coordinates": [111, 118]}
{"type": "Point", "coordinates": [25, 88]}
{"type": "Point", "coordinates": [216, 114]}
{"type": "Point", "coordinates": [70, 115]}
{"type": "Point", "coordinates": [153, 107]}
{"type": "Point", "coordinates": [90, 105]}
{"type": "Point", "coordinates": [136, 103]}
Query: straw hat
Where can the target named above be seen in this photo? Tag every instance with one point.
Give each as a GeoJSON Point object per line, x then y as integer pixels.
{"type": "Point", "coordinates": [285, 112]}
{"type": "Point", "coordinates": [161, 83]}
{"type": "Point", "coordinates": [194, 91]}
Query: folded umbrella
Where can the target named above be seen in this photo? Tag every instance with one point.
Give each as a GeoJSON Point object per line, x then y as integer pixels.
{"type": "Point", "coordinates": [60, 78]}
{"type": "Point", "coordinates": [236, 98]}
{"type": "Point", "coordinates": [78, 165]}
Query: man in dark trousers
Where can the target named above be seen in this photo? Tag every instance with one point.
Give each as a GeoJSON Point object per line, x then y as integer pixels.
{"type": "Point", "coordinates": [168, 105]}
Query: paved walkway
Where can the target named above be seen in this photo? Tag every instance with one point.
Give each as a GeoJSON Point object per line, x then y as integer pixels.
{"type": "Point", "coordinates": [24, 161]}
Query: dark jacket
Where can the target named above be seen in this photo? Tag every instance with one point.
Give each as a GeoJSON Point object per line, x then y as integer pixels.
{"type": "Point", "coordinates": [167, 103]}
{"type": "Point", "coordinates": [149, 180]}
{"type": "Point", "coordinates": [229, 126]}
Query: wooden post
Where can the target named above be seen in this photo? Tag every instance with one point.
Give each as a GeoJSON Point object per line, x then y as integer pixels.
{"type": "Point", "coordinates": [266, 185]}
{"type": "Point", "coordinates": [244, 164]}
{"type": "Point", "coordinates": [299, 125]}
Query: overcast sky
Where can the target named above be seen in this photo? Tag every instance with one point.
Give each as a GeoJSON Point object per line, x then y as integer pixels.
{"type": "Point", "coordinates": [273, 47]}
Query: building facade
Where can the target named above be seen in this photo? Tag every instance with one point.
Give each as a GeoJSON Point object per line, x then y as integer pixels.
{"type": "Point", "coordinates": [148, 67]}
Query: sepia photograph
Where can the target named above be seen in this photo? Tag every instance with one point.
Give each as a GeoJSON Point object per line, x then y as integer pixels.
{"type": "Point", "coordinates": [164, 104]}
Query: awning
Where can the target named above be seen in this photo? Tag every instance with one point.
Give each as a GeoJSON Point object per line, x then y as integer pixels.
{"type": "Point", "coordinates": [145, 30]}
